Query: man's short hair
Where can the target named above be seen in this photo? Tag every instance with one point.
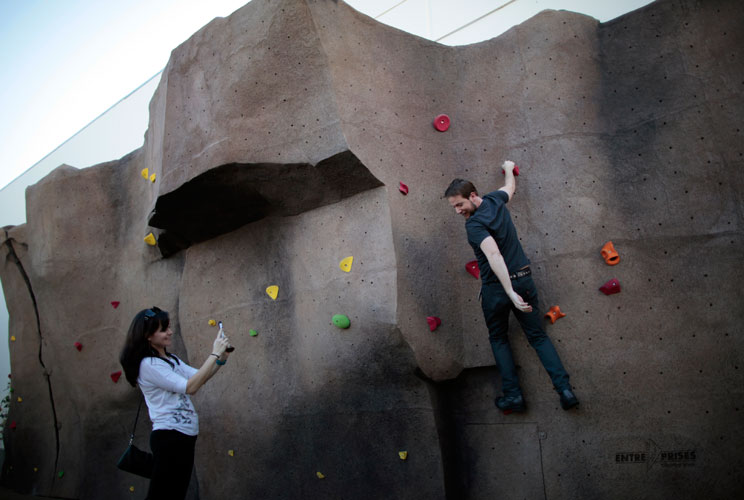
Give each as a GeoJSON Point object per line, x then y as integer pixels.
{"type": "Point", "coordinates": [461, 187]}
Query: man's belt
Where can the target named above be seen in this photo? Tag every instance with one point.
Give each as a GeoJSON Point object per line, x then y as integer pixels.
{"type": "Point", "coordinates": [521, 273]}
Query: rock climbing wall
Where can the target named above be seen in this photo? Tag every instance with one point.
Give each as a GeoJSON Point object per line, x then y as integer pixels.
{"type": "Point", "coordinates": [294, 134]}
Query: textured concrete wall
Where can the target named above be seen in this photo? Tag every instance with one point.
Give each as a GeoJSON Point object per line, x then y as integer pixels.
{"type": "Point", "coordinates": [279, 138]}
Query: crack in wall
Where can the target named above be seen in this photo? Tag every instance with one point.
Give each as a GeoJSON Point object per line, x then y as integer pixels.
{"type": "Point", "coordinates": [13, 257]}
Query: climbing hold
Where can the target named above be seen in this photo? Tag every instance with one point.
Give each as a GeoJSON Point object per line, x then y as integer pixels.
{"type": "Point", "coordinates": [36, 469]}
{"type": "Point", "coordinates": [231, 453]}
{"type": "Point", "coordinates": [320, 475]}
{"type": "Point", "coordinates": [441, 123]}
{"type": "Point", "coordinates": [273, 291]}
{"type": "Point", "coordinates": [403, 455]}
{"type": "Point", "coordinates": [61, 473]}
{"type": "Point", "coordinates": [11, 389]}
{"type": "Point", "coordinates": [115, 376]}
{"type": "Point", "coordinates": [434, 322]}
{"type": "Point", "coordinates": [472, 268]}
{"type": "Point", "coordinates": [13, 425]}
{"type": "Point", "coordinates": [554, 314]}
{"type": "Point", "coordinates": [20, 399]}
{"type": "Point", "coordinates": [516, 171]}
{"type": "Point", "coordinates": [115, 303]}
{"type": "Point", "coordinates": [150, 240]}
{"type": "Point", "coordinates": [252, 332]}
{"type": "Point", "coordinates": [341, 321]}
{"type": "Point", "coordinates": [612, 286]}
{"type": "Point", "coordinates": [131, 488]}
{"type": "Point", "coordinates": [345, 264]}
{"type": "Point", "coordinates": [212, 322]}
{"type": "Point", "coordinates": [403, 188]}
{"type": "Point", "coordinates": [78, 346]}
{"type": "Point", "coordinates": [609, 254]}
{"type": "Point", "coordinates": [12, 338]}
{"type": "Point", "coordinates": [145, 173]}
{"type": "Point", "coordinates": [152, 178]}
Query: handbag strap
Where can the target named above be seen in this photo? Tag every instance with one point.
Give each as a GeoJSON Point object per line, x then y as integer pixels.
{"type": "Point", "coordinates": [131, 437]}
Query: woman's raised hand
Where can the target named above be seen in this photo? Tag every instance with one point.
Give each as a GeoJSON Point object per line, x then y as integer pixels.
{"type": "Point", "coordinates": [221, 343]}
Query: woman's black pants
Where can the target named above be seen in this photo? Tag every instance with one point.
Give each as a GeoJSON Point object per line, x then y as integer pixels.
{"type": "Point", "coordinates": [173, 460]}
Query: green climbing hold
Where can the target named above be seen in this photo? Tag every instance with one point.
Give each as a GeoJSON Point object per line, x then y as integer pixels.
{"type": "Point", "coordinates": [61, 473]}
{"type": "Point", "coordinates": [253, 332]}
{"type": "Point", "coordinates": [341, 321]}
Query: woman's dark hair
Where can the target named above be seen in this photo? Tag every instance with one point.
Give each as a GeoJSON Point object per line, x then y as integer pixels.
{"type": "Point", "coordinates": [137, 347]}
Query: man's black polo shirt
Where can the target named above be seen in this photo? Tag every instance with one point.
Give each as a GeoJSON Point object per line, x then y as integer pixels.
{"type": "Point", "coordinates": [492, 218]}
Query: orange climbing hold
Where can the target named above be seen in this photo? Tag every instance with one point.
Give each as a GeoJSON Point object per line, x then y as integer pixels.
{"type": "Point", "coordinates": [554, 314]}
{"type": "Point", "coordinates": [609, 254]}
{"type": "Point", "coordinates": [115, 376]}
{"type": "Point", "coordinates": [434, 322]}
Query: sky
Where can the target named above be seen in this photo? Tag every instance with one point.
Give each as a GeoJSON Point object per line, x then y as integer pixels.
{"type": "Point", "coordinates": [64, 62]}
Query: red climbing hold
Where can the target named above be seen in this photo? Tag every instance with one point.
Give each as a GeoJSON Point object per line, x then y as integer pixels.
{"type": "Point", "coordinates": [115, 303]}
{"type": "Point", "coordinates": [472, 268]}
{"type": "Point", "coordinates": [434, 322]}
{"type": "Point", "coordinates": [78, 346]}
{"type": "Point", "coordinates": [403, 188]}
{"type": "Point", "coordinates": [612, 286]}
{"type": "Point", "coordinates": [554, 314]}
{"type": "Point", "coordinates": [13, 425]}
{"type": "Point", "coordinates": [115, 376]}
{"type": "Point", "coordinates": [516, 171]}
{"type": "Point", "coordinates": [442, 123]}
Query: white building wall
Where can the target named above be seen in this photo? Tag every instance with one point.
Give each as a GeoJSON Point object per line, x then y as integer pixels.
{"type": "Point", "coordinates": [121, 129]}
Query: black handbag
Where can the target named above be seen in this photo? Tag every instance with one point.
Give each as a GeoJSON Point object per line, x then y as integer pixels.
{"type": "Point", "coordinates": [135, 460]}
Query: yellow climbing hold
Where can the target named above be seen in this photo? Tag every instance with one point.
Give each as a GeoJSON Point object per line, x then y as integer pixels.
{"type": "Point", "coordinates": [273, 291]}
{"type": "Point", "coordinates": [36, 469]}
{"type": "Point", "coordinates": [403, 455]}
{"type": "Point", "coordinates": [12, 338]}
{"type": "Point", "coordinates": [20, 399]}
{"type": "Point", "coordinates": [320, 475]}
{"type": "Point", "coordinates": [212, 322]}
{"type": "Point", "coordinates": [131, 488]}
{"type": "Point", "coordinates": [345, 264]}
{"type": "Point", "coordinates": [150, 240]}
{"type": "Point", "coordinates": [152, 177]}
{"type": "Point", "coordinates": [231, 453]}
{"type": "Point", "coordinates": [145, 173]}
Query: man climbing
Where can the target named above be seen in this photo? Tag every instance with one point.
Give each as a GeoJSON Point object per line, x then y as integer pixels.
{"type": "Point", "coordinates": [506, 285]}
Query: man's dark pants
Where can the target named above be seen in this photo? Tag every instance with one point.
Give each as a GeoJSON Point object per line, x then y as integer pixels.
{"type": "Point", "coordinates": [496, 307]}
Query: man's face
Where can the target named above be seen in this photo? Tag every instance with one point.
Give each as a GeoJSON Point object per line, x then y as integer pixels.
{"type": "Point", "coordinates": [463, 206]}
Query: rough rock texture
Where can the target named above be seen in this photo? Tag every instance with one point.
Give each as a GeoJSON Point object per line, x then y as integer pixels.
{"type": "Point", "coordinates": [279, 136]}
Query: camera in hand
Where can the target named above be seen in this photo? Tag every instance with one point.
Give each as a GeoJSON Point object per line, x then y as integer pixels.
{"type": "Point", "coordinates": [222, 334]}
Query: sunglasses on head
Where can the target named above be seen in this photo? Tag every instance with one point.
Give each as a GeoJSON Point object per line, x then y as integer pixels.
{"type": "Point", "coordinates": [152, 312]}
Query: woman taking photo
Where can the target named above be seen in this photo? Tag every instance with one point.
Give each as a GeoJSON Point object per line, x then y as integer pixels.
{"type": "Point", "coordinates": [166, 382]}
